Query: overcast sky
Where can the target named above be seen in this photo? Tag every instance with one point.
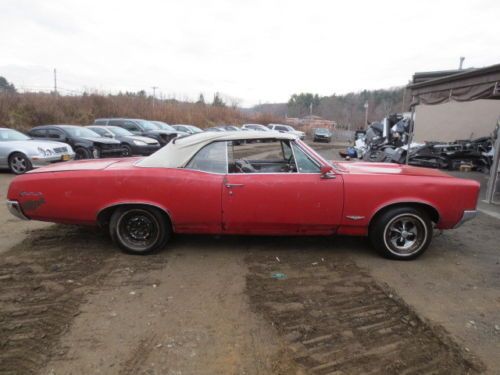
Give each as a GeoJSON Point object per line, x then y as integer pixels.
{"type": "Point", "coordinates": [253, 50]}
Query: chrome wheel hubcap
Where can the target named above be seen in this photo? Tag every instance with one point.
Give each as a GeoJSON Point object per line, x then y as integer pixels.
{"type": "Point", "coordinates": [405, 234]}
{"type": "Point", "coordinates": [18, 164]}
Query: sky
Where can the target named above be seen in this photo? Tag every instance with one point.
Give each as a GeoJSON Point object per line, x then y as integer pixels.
{"type": "Point", "coordinates": [251, 51]}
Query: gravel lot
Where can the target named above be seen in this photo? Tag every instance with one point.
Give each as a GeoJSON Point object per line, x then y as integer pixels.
{"type": "Point", "coordinates": [72, 304]}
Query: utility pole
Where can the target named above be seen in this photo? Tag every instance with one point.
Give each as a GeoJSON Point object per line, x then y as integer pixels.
{"type": "Point", "coordinates": [154, 94]}
{"type": "Point", "coordinates": [55, 81]}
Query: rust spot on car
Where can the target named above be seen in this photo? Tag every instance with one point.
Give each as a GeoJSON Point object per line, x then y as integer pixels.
{"type": "Point", "coordinates": [32, 204]}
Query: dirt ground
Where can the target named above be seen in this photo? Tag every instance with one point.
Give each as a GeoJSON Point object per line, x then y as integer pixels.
{"type": "Point", "coordinates": [70, 303]}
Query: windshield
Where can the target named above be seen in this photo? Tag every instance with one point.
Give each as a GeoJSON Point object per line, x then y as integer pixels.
{"type": "Point", "coordinates": [77, 131]}
{"type": "Point", "coordinates": [119, 131]}
{"type": "Point", "coordinates": [322, 131]}
{"type": "Point", "coordinates": [12, 135]}
{"type": "Point", "coordinates": [164, 126]}
{"type": "Point", "coordinates": [147, 125]}
{"type": "Point", "coordinates": [195, 129]}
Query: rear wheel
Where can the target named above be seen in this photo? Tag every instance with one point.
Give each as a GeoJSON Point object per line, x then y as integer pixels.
{"type": "Point", "coordinates": [139, 230]}
{"type": "Point", "coordinates": [19, 163]}
{"type": "Point", "coordinates": [402, 233]}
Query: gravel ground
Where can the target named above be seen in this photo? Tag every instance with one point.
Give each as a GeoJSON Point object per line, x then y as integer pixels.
{"type": "Point", "coordinates": [72, 304]}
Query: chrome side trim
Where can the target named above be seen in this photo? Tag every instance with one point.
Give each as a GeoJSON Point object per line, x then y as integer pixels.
{"type": "Point", "coordinates": [15, 209]}
{"type": "Point", "coordinates": [355, 217]}
{"type": "Point", "coordinates": [468, 215]}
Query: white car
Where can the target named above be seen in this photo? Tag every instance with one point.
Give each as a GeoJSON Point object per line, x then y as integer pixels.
{"type": "Point", "coordinates": [20, 153]}
{"type": "Point", "coordinates": [287, 129]}
{"type": "Point", "coordinates": [255, 127]}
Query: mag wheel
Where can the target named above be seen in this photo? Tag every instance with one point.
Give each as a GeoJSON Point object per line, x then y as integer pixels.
{"type": "Point", "coordinates": [82, 153]}
{"type": "Point", "coordinates": [139, 230]}
{"type": "Point", "coordinates": [127, 150]}
{"type": "Point", "coordinates": [401, 233]}
{"type": "Point", "coordinates": [19, 163]}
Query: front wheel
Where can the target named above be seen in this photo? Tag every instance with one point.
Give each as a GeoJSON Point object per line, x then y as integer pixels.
{"type": "Point", "coordinates": [139, 230]}
{"type": "Point", "coordinates": [82, 153]}
{"type": "Point", "coordinates": [127, 150]}
{"type": "Point", "coordinates": [401, 233]}
{"type": "Point", "coordinates": [19, 163]}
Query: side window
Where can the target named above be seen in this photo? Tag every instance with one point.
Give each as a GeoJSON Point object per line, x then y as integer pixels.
{"type": "Point", "coordinates": [55, 134]}
{"type": "Point", "coordinates": [280, 128]}
{"type": "Point", "coordinates": [130, 126]}
{"type": "Point", "coordinates": [38, 133]}
{"type": "Point", "coordinates": [115, 122]}
{"type": "Point", "coordinates": [260, 157]}
{"type": "Point", "coordinates": [211, 158]}
{"type": "Point", "coordinates": [303, 162]}
{"type": "Point", "coordinates": [100, 122]}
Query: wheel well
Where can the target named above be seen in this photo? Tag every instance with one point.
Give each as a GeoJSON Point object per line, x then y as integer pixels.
{"type": "Point", "coordinates": [430, 210]}
{"type": "Point", "coordinates": [104, 216]}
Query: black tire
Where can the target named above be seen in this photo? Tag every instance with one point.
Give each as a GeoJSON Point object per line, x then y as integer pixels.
{"type": "Point", "coordinates": [139, 230]}
{"type": "Point", "coordinates": [401, 233]}
{"type": "Point", "coordinates": [19, 163]}
{"type": "Point", "coordinates": [82, 153]}
{"type": "Point", "coordinates": [127, 150]}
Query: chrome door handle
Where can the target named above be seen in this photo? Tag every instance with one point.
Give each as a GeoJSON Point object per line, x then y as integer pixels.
{"type": "Point", "coordinates": [229, 186]}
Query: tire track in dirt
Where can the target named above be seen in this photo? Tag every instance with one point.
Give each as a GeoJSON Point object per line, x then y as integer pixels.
{"type": "Point", "coordinates": [44, 280]}
{"type": "Point", "coordinates": [337, 320]}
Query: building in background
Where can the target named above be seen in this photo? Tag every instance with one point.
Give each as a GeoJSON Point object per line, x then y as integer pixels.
{"type": "Point", "coordinates": [456, 120]}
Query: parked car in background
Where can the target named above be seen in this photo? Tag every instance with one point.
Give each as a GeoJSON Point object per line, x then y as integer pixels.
{"type": "Point", "coordinates": [322, 135]}
{"type": "Point", "coordinates": [20, 153]}
{"type": "Point", "coordinates": [257, 127]}
{"type": "Point", "coordinates": [287, 129]}
{"type": "Point", "coordinates": [164, 126]}
{"type": "Point", "coordinates": [205, 183]}
{"type": "Point", "coordinates": [131, 144]}
{"type": "Point", "coordinates": [215, 129]}
{"type": "Point", "coordinates": [86, 143]}
{"type": "Point", "coordinates": [230, 128]}
{"type": "Point", "coordinates": [139, 127]}
{"type": "Point", "coordinates": [190, 129]}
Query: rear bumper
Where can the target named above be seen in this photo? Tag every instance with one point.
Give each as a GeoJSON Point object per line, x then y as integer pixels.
{"type": "Point", "coordinates": [467, 215]}
{"type": "Point", "coordinates": [15, 209]}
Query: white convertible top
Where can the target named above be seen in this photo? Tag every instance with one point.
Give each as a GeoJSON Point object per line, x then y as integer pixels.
{"type": "Point", "coordinates": [178, 152]}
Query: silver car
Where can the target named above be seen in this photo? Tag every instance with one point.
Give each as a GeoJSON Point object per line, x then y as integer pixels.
{"type": "Point", "coordinates": [20, 153]}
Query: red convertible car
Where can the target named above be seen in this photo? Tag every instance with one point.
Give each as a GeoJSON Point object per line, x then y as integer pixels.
{"type": "Point", "coordinates": [252, 183]}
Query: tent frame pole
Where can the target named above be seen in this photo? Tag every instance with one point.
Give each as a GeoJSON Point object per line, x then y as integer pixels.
{"type": "Point", "coordinates": [492, 182]}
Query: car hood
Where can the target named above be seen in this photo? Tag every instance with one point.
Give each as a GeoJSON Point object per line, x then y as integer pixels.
{"type": "Point", "coordinates": [148, 140]}
{"type": "Point", "coordinates": [101, 140]}
{"type": "Point", "coordinates": [87, 165]}
{"type": "Point", "coordinates": [35, 143]}
{"type": "Point", "coordinates": [389, 168]}
{"type": "Point", "coordinates": [161, 131]}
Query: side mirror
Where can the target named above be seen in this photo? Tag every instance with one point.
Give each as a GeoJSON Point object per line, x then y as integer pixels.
{"type": "Point", "coordinates": [107, 135]}
{"type": "Point", "coordinates": [326, 172]}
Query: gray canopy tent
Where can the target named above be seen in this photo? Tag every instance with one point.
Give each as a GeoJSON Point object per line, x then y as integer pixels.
{"type": "Point", "coordinates": [431, 88]}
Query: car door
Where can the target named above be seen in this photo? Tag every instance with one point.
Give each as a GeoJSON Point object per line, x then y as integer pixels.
{"type": "Point", "coordinates": [281, 202]}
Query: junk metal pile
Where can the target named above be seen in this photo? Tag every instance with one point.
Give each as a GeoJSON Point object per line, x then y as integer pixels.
{"type": "Point", "coordinates": [387, 141]}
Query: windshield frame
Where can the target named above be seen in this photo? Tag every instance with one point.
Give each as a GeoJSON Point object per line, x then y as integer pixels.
{"type": "Point", "coordinates": [118, 131]}
{"type": "Point", "coordinates": [71, 130]}
{"type": "Point", "coordinates": [148, 125]}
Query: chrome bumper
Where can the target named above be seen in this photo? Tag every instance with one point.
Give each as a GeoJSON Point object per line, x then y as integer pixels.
{"type": "Point", "coordinates": [15, 209]}
{"type": "Point", "coordinates": [468, 215]}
